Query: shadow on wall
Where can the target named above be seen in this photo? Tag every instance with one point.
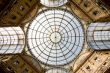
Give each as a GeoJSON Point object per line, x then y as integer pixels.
{"type": "Point", "coordinates": [3, 4]}
{"type": "Point", "coordinates": [106, 2]}
{"type": "Point", "coordinates": [107, 71]}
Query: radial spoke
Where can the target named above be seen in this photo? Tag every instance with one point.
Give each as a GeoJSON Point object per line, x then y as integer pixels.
{"type": "Point", "coordinates": [56, 47]}
{"type": "Point", "coordinates": [43, 26]}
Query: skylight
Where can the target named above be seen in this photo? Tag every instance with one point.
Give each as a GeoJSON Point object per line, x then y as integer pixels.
{"type": "Point", "coordinates": [57, 70]}
{"type": "Point", "coordinates": [53, 3]}
{"type": "Point", "coordinates": [55, 37]}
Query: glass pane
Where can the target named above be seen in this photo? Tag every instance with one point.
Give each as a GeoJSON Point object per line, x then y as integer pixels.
{"type": "Point", "coordinates": [58, 39]}
{"type": "Point", "coordinates": [53, 3]}
{"type": "Point", "coordinates": [12, 40]}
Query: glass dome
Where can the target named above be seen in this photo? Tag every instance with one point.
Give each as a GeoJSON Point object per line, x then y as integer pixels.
{"type": "Point", "coordinates": [55, 37]}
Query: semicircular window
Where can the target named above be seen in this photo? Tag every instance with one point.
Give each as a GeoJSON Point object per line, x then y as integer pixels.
{"type": "Point", "coordinates": [55, 37]}
{"type": "Point", "coordinates": [57, 70]}
{"type": "Point", "coordinates": [53, 3]}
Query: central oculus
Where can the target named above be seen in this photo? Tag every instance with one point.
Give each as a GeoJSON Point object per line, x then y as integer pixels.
{"type": "Point", "coordinates": [55, 37]}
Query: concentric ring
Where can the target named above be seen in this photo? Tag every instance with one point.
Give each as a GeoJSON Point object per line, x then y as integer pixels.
{"type": "Point", "coordinates": [55, 37]}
